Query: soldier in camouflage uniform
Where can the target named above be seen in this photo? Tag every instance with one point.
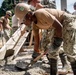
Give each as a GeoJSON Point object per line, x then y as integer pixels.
{"type": "Point", "coordinates": [44, 40]}
{"type": "Point", "coordinates": [64, 26]}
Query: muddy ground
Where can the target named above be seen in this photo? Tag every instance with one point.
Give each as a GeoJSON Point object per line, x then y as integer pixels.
{"type": "Point", "coordinates": [7, 66]}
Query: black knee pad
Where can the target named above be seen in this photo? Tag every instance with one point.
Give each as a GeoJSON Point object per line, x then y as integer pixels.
{"type": "Point", "coordinates": [57, 42]}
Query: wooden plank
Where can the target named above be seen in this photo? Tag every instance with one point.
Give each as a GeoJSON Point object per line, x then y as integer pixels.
{"type": "Point", "coordinates": [20, 43]}
{"type": "Point", "coordinates": [6, 50]}
{"type": "Point", "coordinates": [31, 39]}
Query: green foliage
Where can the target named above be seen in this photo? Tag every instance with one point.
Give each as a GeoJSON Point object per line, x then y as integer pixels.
{"type": "Point", "coordinates": [6, 5]}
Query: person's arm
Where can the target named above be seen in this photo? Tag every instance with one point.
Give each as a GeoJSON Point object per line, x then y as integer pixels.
{"type": "Point", "coordinates": [58, 28]}
{"type": "Point", "coordinates": [1, 21]}
{"type": "Point", "coordinates": [8, 25]}
{"type": "Point", "coordinates": [36, 40]}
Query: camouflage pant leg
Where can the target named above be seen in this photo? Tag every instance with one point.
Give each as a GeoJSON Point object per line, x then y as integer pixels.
{"type": "Point", "coordinates": [61, 50]}
{"type": "Point", "coordinates": [54, 47]}
{"type": "Point", "coordinates": [69, 36]}
{"type": "Point", "coordinates": [46, 43]}
{"type": "Point", "coordinates": [46, 38]}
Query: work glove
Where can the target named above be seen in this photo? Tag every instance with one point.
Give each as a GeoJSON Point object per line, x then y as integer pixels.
{"type": "Point", "coordinates": [57, 42]}
{"type": "Point", "coordinates": [35, 54]}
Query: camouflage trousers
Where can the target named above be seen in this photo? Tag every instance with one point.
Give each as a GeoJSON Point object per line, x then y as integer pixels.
{"type": "Point", "coordinates": [47, 43]}
{"type": "Point", "coordinates": [69, 39]}
{"type": "Point", "coordinates": [69, 36]}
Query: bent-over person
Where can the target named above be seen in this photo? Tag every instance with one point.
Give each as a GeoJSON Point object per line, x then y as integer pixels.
{"type": "Point", "coordinates": [64, 26]}
{"type": "Point", "coordinates": [37, 4]}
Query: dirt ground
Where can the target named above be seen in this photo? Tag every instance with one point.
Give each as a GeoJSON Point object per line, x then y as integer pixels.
{"type": "Point", "coordinates": [7, 66]}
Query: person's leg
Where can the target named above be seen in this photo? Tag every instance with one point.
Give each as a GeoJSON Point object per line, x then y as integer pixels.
{"type": "Point", "coordinates": [69, 38]}
{"type": "Point", "coordinates": [53, 66]}
{"type": "Point", "coordinates": [63, 59]}
{"type": "Point", "coordinates": [53, 47]}
{"type": "Point", "coordinates": [73, 65]}
{"type": "Point", "coordinates": [53, 54]}
{"type": "Point", "coordinates": [65, 62]}
{"type": "Point", "coordinates": [71, 58]}
{"type": "Point", "coordinates": [66, 68]}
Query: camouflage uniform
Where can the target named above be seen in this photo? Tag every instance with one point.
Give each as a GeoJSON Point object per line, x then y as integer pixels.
{"type": "Point", "coordinates": [69, 40]}
{"type": "Point", "coordinates": [69, 36]}
{"type": "Point", "coordinates": [48, 3]}
{"type": "Point", "coordinates": [46, 43]}
{"type": "Point", "coordinates": [69, 31]}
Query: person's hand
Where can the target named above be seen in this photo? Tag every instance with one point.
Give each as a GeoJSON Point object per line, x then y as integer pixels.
{"type": "Point", "coordinates": [8, 27]}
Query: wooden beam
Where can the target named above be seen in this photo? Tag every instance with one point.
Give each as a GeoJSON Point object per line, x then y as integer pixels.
{"type": "Point", "coordinates": [20, 44]}
{"type": "Point", "coordinates": [31, 39]}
